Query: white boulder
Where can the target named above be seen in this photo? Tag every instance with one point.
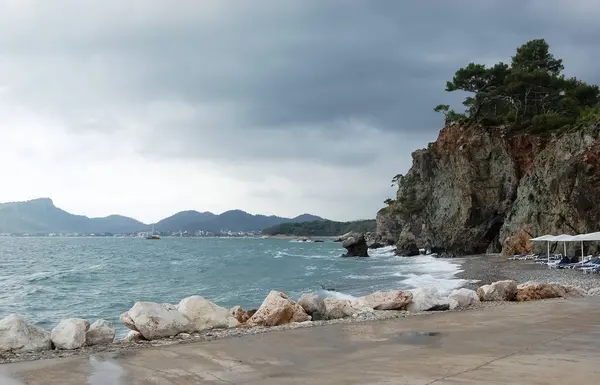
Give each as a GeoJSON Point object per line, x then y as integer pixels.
{"type": "Point", "coordinates": [204, 314]}
{"type": "Point", "coordinates": [313, 305]}
{"type": "Point", "coordinates": [427, 299]}
{"type": "Point", "coordinates": [155, 320]}
{"type": "Point", "coordinates": [133, 336]}
{"type": "Point", "coordinates": [278, 309]}
{"type": "Point", "coordinates": [498, 291]}
{"type": "Point", "coordinates": [388, 300]}
{"type": "Point", "coordinates": [463, 298]}
{"type": "Point", "coordinates": [100, 332]}
{"type": "Point", "coordinates": [17, 335]}
{"type": "Point", "coordinates": [340, 308]}
{"type": "Point", "coordinates": [70, 333]}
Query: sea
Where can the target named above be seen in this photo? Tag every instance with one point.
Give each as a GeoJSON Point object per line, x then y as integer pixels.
{"type": "Point", "coordinates": [47, 279]}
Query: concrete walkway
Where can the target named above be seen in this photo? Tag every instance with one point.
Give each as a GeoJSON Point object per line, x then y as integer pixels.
{"type": "Point", "coordinates": [549, 342]}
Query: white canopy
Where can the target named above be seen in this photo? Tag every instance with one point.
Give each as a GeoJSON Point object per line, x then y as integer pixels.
{"type": "Point", "coordinates": [568, 238]}
{"type": "Point", "coordinates": [588, 237]}
{"type": "Point", "coordinates": [565, 238]}
{"type": "Point", "coordinates": [545, 238]}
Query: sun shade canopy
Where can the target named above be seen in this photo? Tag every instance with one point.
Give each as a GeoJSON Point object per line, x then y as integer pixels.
{"type": "Point", "coordinates": [588, 237]}
{"type": "Point", "coordinates": [544, 238]}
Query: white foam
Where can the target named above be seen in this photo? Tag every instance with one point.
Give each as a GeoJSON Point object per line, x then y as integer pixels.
{"type": "Point", "coordinates": [335, 294]}
{"type": "Point", "coordinates": [444, 285]}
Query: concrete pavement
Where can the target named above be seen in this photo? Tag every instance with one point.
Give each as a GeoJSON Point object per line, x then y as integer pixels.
{"type": "Point", "coordinates": [545, 342]}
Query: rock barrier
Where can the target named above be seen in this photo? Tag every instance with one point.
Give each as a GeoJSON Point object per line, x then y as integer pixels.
{"type": "Point", "coordinates": [156, 321]}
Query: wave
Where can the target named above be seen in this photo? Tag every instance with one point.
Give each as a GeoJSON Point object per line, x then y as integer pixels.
{"type": "Point", "coordinates": [444, 284]}
{"type": "Point", "coordinates": [323, 293]}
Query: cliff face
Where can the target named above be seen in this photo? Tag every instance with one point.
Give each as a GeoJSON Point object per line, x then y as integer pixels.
{"type": "Point", "coordinates": [475, 190]}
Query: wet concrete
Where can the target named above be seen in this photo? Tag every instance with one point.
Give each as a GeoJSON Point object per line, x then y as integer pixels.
{"type": "Point", "coordinates": [549, 342]}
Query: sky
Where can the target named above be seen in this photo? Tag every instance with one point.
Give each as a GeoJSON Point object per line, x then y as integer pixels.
{"type": "Point", "coordinates": [149, 107]}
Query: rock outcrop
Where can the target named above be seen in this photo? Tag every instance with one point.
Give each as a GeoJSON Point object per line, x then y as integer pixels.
{"type": "Point", "coordinates": [278, 309]}
{"type": "Point", "coordinates": [388, 300]}
{"type": "Point", "coordinates": [407, 244]}
{"type": "Point", "coordinates": [155, 320]}
{"type": "Point", "coordinates": [70, 333]}
{"type": "Point", "coordinates": [498, 291]}
{"type": "Point", "coordinates": [479, 189]}
{"type": "Point", "coordinates": [19, 336]}
{"type": "Point", "coordinates": [355, 244]}
{"type": "Point", "coordinates": [373, 241]}
{"type": "Point", "coordinates": [100, 332]}
{"type": "Point", "coordinates": [204, 314]}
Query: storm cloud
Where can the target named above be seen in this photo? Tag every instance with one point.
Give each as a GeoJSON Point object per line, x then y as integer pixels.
{"type": "Point", "coordinates": [270, 106]}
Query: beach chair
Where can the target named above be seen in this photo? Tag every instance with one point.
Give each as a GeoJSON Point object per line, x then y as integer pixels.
{"type": "Point", "coordinates": [564, 261]}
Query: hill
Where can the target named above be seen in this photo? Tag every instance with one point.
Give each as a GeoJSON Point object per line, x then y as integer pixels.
{"type": "Point", "coordinates": [41, 216]}
{"type": "Point", "coordinates": [183, 220]}
{"type": "Point", "coordinates": [237, 220]}
{"type": "Point", "coordinates": [323, 228]}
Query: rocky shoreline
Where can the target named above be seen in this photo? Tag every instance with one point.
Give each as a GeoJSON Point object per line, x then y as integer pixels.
{"type": "Point", "coordinates": [196, 319]}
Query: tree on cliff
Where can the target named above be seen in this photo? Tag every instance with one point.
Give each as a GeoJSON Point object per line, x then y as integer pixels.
{"type": "Point", "coordinates": [531, 93]}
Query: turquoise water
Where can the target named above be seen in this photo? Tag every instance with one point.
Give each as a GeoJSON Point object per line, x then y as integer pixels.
{"type": "Point", "coordinates": [48, 279]}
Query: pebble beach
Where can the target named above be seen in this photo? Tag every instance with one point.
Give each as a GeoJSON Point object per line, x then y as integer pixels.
{"type": "Point", "coordinates": [485, 269]}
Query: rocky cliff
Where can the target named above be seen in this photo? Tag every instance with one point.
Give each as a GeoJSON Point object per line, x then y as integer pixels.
{"type": "Point", "coordinates": [479, 189]}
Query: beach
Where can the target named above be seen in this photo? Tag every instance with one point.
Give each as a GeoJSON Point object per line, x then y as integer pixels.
{"type": "Point", "coordinates": [485, 269]}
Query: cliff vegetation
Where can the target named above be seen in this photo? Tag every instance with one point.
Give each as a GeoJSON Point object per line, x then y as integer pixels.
{"type": "Point", "coordinates": [322, 228]}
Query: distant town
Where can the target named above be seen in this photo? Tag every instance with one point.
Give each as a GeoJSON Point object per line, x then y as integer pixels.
{"type": "Point", "coordinates": [222, 233]}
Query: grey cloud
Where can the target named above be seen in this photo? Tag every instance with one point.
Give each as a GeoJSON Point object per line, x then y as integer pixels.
{"type": "Point", "coordinates": [347, 84]}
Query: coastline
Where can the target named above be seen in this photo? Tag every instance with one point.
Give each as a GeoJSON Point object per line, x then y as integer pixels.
{"type": "Point", "coordinates": [477, 270]}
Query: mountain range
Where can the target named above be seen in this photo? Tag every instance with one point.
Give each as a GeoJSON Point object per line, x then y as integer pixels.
{"type": "Point", "coordinates": [42, 216]}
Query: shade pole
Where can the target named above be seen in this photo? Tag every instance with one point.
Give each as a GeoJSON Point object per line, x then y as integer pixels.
{"type": "Point", "coordinates": [548, 243]}
{"type": "Point", "coordinates": [581, 251]}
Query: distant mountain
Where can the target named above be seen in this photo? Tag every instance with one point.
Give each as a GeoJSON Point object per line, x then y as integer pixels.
{"type": "Point", "coordinates": [234, 220]}
{"type": "Point", "coordinates": [42, 216]}
{"type": "Point", "coordinates": [183, 220]}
